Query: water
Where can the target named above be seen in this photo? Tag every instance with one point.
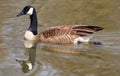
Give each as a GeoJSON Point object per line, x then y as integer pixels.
{"type": "Point", "coordinates": [60, 60]}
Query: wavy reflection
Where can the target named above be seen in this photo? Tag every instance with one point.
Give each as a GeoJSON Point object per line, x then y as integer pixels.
{"type": "Point", "coordinates": [59, 50]}
{"type": "Point", "coordinates": [30, 51]}
{"type": "Point", "coordinates": [71, 50]}
{"type": "Point", "coordinates": [31, 63]}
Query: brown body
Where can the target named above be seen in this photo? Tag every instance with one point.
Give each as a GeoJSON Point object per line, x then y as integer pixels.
{"type": "Point", "coordinates": [66, 34]}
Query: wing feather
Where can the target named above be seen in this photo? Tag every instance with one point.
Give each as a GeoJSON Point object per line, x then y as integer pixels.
{"type": "Point", "coordinates": [66, 34]}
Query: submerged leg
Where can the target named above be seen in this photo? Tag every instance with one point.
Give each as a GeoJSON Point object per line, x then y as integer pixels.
{"type": "Point", "coordinates": [96, 43]}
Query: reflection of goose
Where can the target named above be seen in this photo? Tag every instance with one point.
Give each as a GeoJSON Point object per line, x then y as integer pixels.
{"type": "Point", "coordinates": [58, 34]}
{"type": "Point", "coordinates": [30, 63]}
{"type": "Point", "coordinates": [59, 50]}
{"type": "Point", "coordinates": [66, 50]}
{"type": "Point", "coordinates": [26, 65]}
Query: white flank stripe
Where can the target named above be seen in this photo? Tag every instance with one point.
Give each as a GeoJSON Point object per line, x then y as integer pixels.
{"type": "Point", "coordinates": [83, 39]}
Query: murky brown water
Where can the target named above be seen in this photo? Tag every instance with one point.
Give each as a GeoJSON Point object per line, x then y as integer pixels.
{"type": "Point", "coordinates": [60, 60]}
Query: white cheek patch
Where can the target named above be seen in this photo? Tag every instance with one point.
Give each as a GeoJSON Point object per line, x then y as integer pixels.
{"type": "Point", "coordinates": [30, 12]}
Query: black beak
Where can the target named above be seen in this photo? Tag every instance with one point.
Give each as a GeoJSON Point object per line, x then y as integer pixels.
{"type": "Point", "coordinates": [21, 13]}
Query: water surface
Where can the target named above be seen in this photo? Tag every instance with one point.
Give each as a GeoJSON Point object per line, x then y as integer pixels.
{"type": "Point", "coordinates": [60, 60]}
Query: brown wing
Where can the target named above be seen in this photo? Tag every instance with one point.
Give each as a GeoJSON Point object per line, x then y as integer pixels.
{"type": "Point", "coordinates": [66, 34]}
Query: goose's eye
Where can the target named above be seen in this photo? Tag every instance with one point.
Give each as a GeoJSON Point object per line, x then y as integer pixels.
{"type": "Point", "coordinates": [26, 9]}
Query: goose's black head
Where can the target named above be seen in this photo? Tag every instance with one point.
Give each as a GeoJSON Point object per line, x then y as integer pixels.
{"type": "Point", "coordinates": [32, 30]}
{"type": "Point", "coordinates": [26, 10]}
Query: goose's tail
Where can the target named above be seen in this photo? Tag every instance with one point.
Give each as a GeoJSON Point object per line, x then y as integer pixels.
{"type": "Point", "coordinates": [96, 28]}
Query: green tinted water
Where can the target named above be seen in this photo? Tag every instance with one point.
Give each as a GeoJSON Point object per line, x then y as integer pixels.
{"type": "Point", "coordinates": [60, 60]}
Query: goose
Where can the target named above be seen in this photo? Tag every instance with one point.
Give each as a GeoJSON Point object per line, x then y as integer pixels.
{"type": "Point", "coordinates": [64, 34]}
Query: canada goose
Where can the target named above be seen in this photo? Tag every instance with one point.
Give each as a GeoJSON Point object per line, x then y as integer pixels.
{"type": "Point", "coordinates": [58, 34]}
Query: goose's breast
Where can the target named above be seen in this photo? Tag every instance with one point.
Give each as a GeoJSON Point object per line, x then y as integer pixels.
{"type": "Point", "coordinates": [29, 36]}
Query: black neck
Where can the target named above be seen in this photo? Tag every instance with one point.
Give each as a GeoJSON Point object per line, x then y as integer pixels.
{"type": "Point", "coordinates": [33, 22]}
